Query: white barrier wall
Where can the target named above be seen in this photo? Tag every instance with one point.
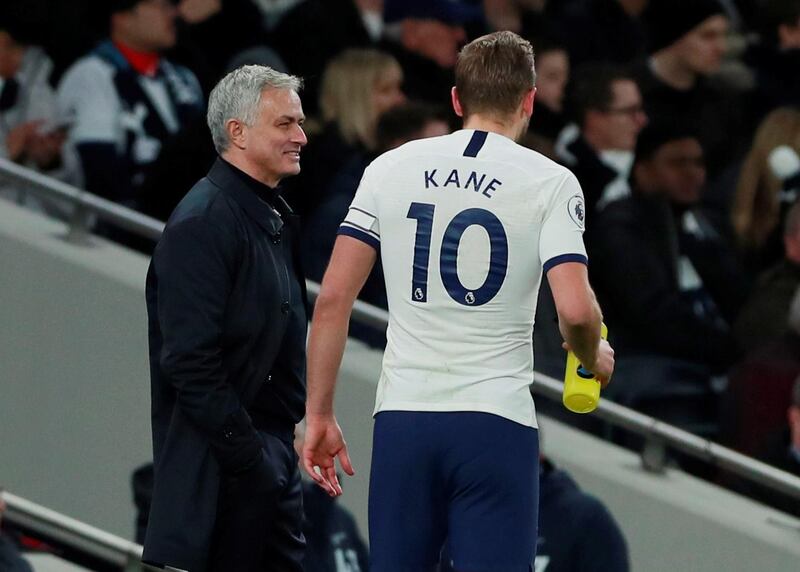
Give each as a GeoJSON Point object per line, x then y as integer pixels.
{"type": "Point", "coordinates": [74, 415]}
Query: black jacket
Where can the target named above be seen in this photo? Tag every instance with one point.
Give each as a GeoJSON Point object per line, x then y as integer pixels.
{"type": "Point", "coordinates": [634, 255]}
{"type": "Point", "coordinates": [576, 531]}
{"type": "Point", "coordinates": [227, 328]}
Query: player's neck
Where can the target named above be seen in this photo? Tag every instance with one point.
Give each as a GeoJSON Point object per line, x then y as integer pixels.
{"type": "Point", "coordinates": [506, 128]}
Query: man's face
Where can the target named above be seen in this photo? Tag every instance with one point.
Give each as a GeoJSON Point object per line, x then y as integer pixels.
{"type": "Point", "coordinates": [274, 141]}
{"type": "Point", "coordinates": [11, 53]}
{"type": "Point", "coordinates": [552, 76]}
{"type": "Point", "coordinates": [150, 25]}
{"type": "Point", "coordinates": [703, 48]}
{"type": "Point", "coordinates": [621, 122]}
{"type": "Point", "coordinates": [677, 170]}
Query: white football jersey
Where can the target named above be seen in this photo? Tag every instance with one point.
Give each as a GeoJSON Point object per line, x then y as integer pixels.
{"type": "Point", "coordinates": [465, 224]}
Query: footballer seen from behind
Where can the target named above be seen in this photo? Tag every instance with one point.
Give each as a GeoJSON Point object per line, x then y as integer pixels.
{"type": "Point", "coordinates": [466, 225]}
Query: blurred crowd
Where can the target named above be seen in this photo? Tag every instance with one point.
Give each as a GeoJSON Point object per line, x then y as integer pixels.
{"type": "Point", "coordinates": [680, 118]}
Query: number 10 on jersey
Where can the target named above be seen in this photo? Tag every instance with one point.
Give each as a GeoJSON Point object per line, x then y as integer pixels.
{"type": "Point", "coordinates": [423, 213]}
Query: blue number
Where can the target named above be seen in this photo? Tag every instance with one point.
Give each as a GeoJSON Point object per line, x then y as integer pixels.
{"type": "Point", "coordinates": [448, 259]}
{"type": "Point", "coordinates": [423, 213]}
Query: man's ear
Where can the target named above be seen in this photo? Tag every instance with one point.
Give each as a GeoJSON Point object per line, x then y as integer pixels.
{"type": "Point", "coordinates": [456, 102]}
{"type": "Point", "coordinates": [528, 101]}
{"type": "Point", "coordinates": [237, 134]}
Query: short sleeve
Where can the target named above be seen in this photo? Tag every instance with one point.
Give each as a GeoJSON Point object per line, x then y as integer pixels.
{"type": "Point", "coordinates": [561, 238]}
{"type": "Point", "coordinates": [361, 221]}
{"type": "Point", "coordinates": [87, 99]}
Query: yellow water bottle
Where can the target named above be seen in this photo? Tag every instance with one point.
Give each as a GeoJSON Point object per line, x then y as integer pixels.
{"type": "Point", "coordinates": [581, 388]}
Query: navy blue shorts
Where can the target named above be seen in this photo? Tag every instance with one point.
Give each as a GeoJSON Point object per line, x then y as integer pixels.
{"type": "Point", "coordinates": [465, 479]}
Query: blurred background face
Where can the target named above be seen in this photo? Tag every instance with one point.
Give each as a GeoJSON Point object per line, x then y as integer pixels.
{"type": "Point", "coordinates": [11, 54]}
{"type": "Point", "coordinates": [676, 170]}
{"type": "Point", "coordinates": [703, 48]}
{"type": "Point", "coordinates": [618, 126]}
{"type": "Point", "coordinates": [433, 39]}
{"type": "Point", "coordinates": [387, 91]}
{"type": "Point", "coordinates": [149, 26]}
{"type": "Point", "coordinates": [552, 70]}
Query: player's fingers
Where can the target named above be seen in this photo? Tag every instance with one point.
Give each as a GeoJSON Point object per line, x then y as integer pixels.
{"type": "Point", "coordinates": [333, 481]}
{"type": "Point", "coordinates": [344, 461]}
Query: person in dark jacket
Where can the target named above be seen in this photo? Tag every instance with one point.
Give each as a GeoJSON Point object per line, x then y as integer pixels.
{"type": "Point", "coordinates": [577, 533]}
{"type": "Point", "coordinates": [671, 299]}
{"type": "Point", "coordinates": [227, 327]}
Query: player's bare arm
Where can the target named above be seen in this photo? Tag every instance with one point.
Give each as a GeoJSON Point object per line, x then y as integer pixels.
{"type": "Point", "coordinates": [579, 318]}
{"type": "Point", "coordinates": [350, 265]}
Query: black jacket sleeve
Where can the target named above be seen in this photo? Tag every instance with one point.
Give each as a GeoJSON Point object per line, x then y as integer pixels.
{"type": "Point", "coordinates": [195, 264]}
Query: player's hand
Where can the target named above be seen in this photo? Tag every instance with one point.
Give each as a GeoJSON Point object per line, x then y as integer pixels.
{"type": "Point", "coordinates": [603, 366]}
{"type": "Point", "coordinates": [323, 445]}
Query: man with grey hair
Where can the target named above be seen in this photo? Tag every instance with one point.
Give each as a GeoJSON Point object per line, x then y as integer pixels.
{"type": "Point", "coordinates": [227, 327]}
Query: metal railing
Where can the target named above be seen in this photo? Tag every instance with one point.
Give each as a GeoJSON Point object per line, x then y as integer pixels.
{"type": "Point", "coordinates": [78, 535]}
{"type": "Point", "coordinates": [657, 435]}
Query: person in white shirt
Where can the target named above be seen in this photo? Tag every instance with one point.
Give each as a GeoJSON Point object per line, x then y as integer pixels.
{"type": "Point", "coordinates": [466, 224]}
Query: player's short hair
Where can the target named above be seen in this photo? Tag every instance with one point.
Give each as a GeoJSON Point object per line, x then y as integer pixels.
{"type": "Point", "coordinates": [238, 95]}
{"type": "Point", "coordinates": [796, 392]}
{"type": "Point", "coordinates": [494, 72]}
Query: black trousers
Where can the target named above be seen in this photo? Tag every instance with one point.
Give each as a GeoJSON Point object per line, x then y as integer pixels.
{"type": "Point", "coordinates": [259, 523]}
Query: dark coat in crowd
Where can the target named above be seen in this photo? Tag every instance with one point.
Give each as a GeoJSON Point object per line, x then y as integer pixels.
{"type": "Point", "coordinates": [634, 254]}
{"type": "Point", "coordinates": [227, 330]}
{"type": "Point", "coordinates": [576, 531]}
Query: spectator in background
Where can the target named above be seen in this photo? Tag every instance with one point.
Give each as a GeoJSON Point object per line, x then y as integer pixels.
{"type": "Point", "coordinates": [775, 58]}
{"type": "Point", "coordinates": [425, 37]}
{"type": "Point", "coordinates": [762, 199]}
{"type": "Point", "coordinates": [669, 285]}
{"type": "Point", "coordinates": [230, 26]}
{"type": "Point", "coordinates": [125, 100]}
{"type": "Point", "coordinates": [396, 126]}
{"type": "Point", "coordinates": [10, 558]}
{"type": "Point", "coordinates": [687, 41]}
{"type": "Point", "coordinates": [314, 32]}
{"type": "Point", "coordinates": [552, 75]}
{"type": "Point", "coordinates": [782, 450]}
{"type": "Point", "coordinates": [30, 131]}
{"type": "Point", "coordinates": [602, 30]}
{"type": "Point", "coordinates": [607, 106]}
{"type": "Point", "coordinates": [358, 86]}
{"type": "Point", "coordinates": [764, 317]}
{"type": "Point", "coordinates": [577, 533]}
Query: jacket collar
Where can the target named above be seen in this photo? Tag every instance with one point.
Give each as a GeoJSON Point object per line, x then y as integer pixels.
{"type": "Point", "coordinates": [258, 200]}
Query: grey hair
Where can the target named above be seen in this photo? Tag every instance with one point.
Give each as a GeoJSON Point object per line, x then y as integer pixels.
{"type": "Point", "coordinates": [238, 95]}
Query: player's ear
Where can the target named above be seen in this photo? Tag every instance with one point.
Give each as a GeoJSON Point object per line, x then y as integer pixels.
{"type": "Point", "coordinates": [527, 102]}
{"type": "Point", "coordinates": [456, 102]}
